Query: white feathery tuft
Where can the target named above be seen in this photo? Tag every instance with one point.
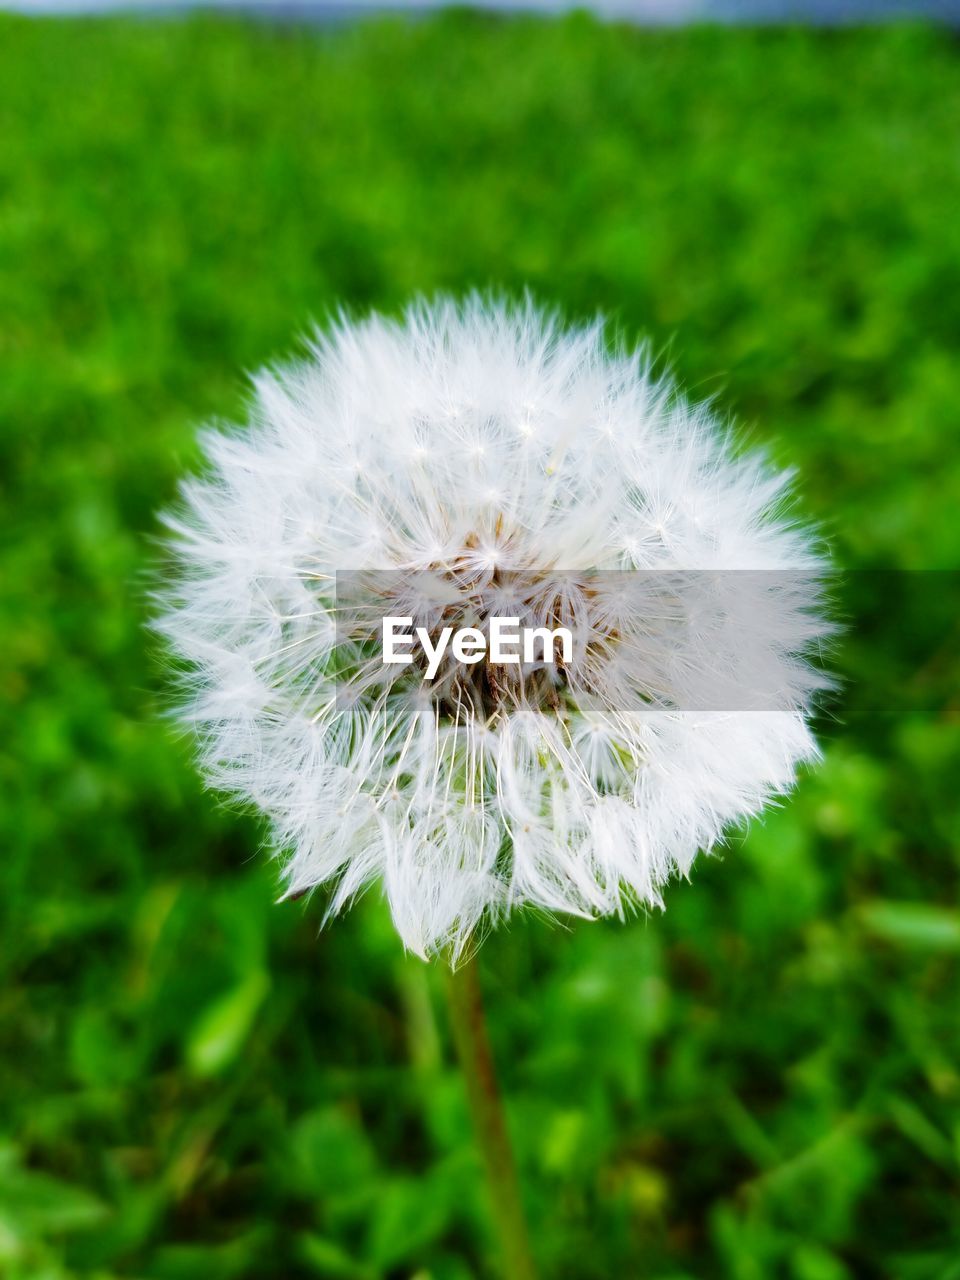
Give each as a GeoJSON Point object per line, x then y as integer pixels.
{"type": "Point", "coordinates": [467, 441]}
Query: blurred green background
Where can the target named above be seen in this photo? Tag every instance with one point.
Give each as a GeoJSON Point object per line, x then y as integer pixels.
{"type": "Point", "coordinates": [196, 1083]}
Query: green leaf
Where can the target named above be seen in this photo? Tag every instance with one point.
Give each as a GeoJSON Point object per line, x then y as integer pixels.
{"type": "Point", "coordinates": [208, 1262]}
{"type": "Point", "coordinates": [410, 1216]}
{"type": "Point", "coordinates": [331, 1153]}
{"type": "Point", "coordinates": [221, 1030]}
{"type": "Point", "coordinates": [328, 1259]}
{"type": "Point", "coordinates": [33, 1205]}
{"type": "Point", "coordinates": [810, 1262]}
{"type": "Point", "coordinates": [912, 924]}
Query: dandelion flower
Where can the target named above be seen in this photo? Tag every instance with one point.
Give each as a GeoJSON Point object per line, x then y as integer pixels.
{"type": "Point", "coordinates": [476, 460]}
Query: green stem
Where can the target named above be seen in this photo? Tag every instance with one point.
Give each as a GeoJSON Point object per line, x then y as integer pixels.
{"type": "Point", "coordinates": [489, 1121]}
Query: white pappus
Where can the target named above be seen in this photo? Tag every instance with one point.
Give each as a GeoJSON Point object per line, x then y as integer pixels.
{"type": "Point", "coordinates": [474, 458]}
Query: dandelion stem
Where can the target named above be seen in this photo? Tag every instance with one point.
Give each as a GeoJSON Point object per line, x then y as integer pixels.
{"type": "Point", "coordinates": [489, 1121]}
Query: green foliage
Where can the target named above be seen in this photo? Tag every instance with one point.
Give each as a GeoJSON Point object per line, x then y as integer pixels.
{"type": "Point", "coordinates": [197, 1082]}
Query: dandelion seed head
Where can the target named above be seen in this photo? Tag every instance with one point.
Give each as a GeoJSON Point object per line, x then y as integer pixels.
{"type": "Point", "coordinates": [469, 460]}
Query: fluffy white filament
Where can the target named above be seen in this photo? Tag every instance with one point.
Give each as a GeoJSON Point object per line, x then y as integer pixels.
{"type": "Point", "coordinates": [467, 441]}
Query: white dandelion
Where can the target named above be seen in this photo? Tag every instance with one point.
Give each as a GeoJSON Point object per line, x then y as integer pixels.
{"type": "Point", "coordinates": [477, 460]}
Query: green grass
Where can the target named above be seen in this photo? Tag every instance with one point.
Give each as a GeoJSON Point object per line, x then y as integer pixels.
{"type": "Point", "coordinates": [198, 1084]}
